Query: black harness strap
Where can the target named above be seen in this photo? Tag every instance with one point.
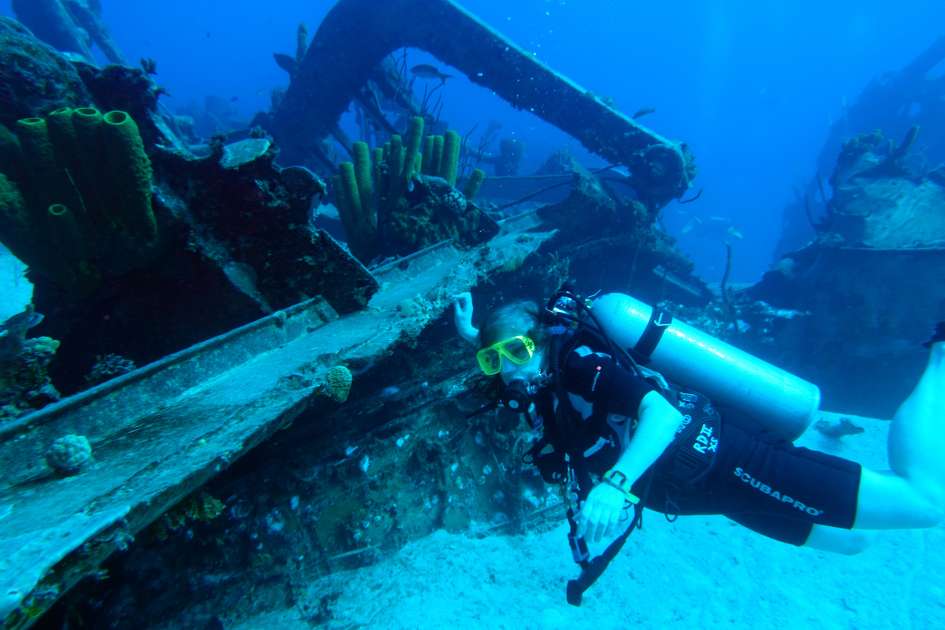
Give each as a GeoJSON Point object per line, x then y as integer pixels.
{"type": "Point", "coordinates": [593, 568]}
{"type": "Point", "coordinates": [660, 320]}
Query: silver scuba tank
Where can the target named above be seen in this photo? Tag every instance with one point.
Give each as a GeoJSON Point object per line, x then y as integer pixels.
{"type": "Point", "coordinates": [774, 398]}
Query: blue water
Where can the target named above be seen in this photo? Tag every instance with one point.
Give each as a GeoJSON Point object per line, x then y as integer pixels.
{"type": "Point", "coordinates": [751, 86]}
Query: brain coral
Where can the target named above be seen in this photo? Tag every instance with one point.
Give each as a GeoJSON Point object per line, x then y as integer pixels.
{"type": "Point", "coordinates": [338, 381]}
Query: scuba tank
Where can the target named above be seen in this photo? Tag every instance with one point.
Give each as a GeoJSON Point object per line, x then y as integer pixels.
{"type": "Point", "coordinates": [777, 400]}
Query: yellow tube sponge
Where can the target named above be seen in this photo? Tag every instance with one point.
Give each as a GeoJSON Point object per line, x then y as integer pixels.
{"type": "Point", "coordinates": [87, 124]}
{"type": "Point", "coordinates": [414, 138]}
{"type": "Point", "coordinates": [362, 171]}
{"type": "Point", "coordinates": [129, 170]}
{"type": "Point", "coordinates": [62, 134]}
{"type": "Point", "coordinates": [352, 212]}
{"type": "Point", "coordinates": [436, 164]}
{"type": "Point", "coordinates": [65, 234]}
{"type": "Point", "coordinates": [449, 163]}
{"type": "Point", "coordinates": [474, 183]}
{"type": "Point", "coordinates": [38, 152]}
{"type": "Point", "coordinates": [427, 163]}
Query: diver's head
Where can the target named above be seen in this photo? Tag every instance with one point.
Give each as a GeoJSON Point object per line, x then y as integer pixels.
{"type": "Point", "coordinates": [511, 344]}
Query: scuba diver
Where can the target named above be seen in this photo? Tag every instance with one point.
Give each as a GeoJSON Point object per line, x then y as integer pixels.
{"type": "Point", "coordinates": [619, 437]}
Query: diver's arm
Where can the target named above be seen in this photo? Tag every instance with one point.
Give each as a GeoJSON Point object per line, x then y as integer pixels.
{"type": "Point", "coordinates": [600, 513]}
{"type": "Point", "coordinates": [656, 429]}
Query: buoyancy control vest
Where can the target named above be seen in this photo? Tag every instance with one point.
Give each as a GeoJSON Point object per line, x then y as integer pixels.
{"type": "Point", "coordinates": [634, 333]}
{"type": "Point", "coordinates": [590, 447]}
{"type": "Point", "coordinates": [574, 451]}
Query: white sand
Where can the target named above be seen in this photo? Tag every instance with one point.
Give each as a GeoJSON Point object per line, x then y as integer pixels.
{"type": "Point", "coordinates": [701, 572]}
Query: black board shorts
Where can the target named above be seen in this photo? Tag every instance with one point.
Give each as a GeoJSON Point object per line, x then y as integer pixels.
{"type": "Point", "coordinates": [764, 483]}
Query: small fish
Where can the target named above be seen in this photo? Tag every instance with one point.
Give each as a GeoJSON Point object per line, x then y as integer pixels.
{"type": "Point", "coordinates": [233, 99]}
{"type": "Point", "coordinates": [286, 62]}
{"type": "Point", "coordinates": [13, 331]}
{"type": "Point", "coordinates": [426, 71]}
{"type": "Point", "coordinates": [691, 224]}
{"type": "Point", "coordinates": [643, 111]}
{"type": "Point", "coordinates": [712, 227]}
{"type": "Point", "coordinates": [838, 428]}
{"type": "Point", "coordinates": [21, 322]}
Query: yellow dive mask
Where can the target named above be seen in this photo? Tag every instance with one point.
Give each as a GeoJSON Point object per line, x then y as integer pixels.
{"type": "Point", "coordinates": [518, 350]}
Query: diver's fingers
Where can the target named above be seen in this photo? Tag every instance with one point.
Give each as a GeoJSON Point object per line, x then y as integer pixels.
{"type": "Point", "coordinates": [587, 522]}
{"type": "Point", "coordinates": [609, 524]}
{"type": "Point", "coordinates": [463, 300]}
{"type": "Point", "coordinates": [604, 524]}
{"type": "Point", "coordinates": [614, 522]}
{"type": "Point", "coordinates": [588, 527]}
{"type": "Point", "coordinates": [600, 523]}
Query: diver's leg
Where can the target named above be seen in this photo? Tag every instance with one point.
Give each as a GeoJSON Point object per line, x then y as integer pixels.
{"type": "Point", "coordinates": [917, 434]}
{"type": "Point", "coordinates": [837, 540]}
{"type": "Point", "coordinates": [888, 501]}
{"type": "Point", "coordinates": [803, 533]}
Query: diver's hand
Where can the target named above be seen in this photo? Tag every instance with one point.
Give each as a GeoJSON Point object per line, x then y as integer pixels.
{"type": "Point", "coordinates": [601, 512]}
{"type": "Point", "coordinates": [462, 317]}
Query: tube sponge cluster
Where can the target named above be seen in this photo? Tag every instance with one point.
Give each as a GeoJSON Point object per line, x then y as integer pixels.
{"type": "Point", "coordinates": [75, 195]}
{"type": "Point", "coordinates": [373, 186]}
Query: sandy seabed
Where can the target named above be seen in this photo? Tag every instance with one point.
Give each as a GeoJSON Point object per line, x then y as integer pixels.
{"type": "Point", "coordinates": [699, 572]}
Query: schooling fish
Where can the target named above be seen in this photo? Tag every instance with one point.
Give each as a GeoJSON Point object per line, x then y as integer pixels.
{"type": "Point", "coordinates": [426, 71]}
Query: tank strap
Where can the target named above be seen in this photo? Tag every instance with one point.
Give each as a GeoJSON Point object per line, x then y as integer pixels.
{"type": "Point", "coordinates": [660, 319]}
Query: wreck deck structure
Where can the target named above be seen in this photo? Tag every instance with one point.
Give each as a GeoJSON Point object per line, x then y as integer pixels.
{"type": "Point", "coordinates": [162, 431]}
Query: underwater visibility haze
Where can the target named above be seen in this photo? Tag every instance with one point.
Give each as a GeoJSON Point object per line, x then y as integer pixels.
{"type": "Point", "coordinates": [416, 313]}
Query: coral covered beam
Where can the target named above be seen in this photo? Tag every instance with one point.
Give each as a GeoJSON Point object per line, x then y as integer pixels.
{"type": "Point", "coordinates": [356, 35]}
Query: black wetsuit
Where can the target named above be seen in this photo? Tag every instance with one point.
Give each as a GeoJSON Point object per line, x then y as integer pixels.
{"type": "Point", "coordinates": [713, 466]}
